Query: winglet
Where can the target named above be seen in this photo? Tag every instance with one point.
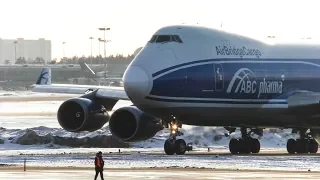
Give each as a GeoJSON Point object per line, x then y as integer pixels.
{"type": "Point", "coordinates": [45, 77]}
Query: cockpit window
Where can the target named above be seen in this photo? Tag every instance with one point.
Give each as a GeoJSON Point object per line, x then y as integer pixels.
{"type": "Point", "coordinates": [176, 38]}
{"type": "Point", "coordinates": [153, 39]}
{"type": "Point", "coordinates": [165, 38]}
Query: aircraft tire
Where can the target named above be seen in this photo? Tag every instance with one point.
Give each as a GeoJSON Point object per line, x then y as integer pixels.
{"type": "Point", "coordinates": [244, 146]}
{"type": "Point", "coordinates": [313, 146]}
{"type": "Point", "coordinates": [302, 146]}
{"type": "Point", "coordinates": [180, 147]}
{"type": "Point", "coordinates": [234, 146]}
{"type": "Point", "coordinates": [291, 143]}
{"type": "Point", "coordinates": [255, 145]}
{"type": "Point", "coordinates": [169, 147]}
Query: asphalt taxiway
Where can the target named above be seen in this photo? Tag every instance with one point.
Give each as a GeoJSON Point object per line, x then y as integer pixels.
{"type": "Point", "coordinates": [35, 173]}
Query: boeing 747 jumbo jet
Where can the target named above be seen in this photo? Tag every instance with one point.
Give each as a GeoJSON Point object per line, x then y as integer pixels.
{"type": "Point", "coordinates": [206, 77]}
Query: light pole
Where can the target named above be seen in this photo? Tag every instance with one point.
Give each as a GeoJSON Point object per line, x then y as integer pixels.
{"type": "Point", "coordinates": [63, 55]}
{"type": "Point", "coordinates": [105, 58]}
{"type": "Point", "coordinates": [99, 40]}
{"type": "Point", "coordinates": [99, 45]}
{"type": "Point", "coordinates": [91, 38]}
{"type": "Point", "coordinates": [104, 39]}
{"type": "Point", "coordinates": [15, 50]}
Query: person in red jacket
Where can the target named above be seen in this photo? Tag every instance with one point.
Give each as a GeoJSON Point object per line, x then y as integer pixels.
{"type": "Point", "coordinates": [99, 164]}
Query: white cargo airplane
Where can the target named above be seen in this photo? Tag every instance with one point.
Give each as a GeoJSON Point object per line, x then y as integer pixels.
{"type": "Point", "coordinates": [205, 77]}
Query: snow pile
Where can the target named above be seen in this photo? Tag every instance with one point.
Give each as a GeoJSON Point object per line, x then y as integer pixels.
{"type": "Point", "coordinates": [43, 135]}
{"type": "Point", "coordinates": [198, 136]}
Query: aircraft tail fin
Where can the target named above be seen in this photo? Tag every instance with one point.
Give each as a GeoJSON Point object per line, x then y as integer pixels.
{"type": "Point", "coordinates": [45, 77]}
{"type": "Point", "coordinates": [85, 67]}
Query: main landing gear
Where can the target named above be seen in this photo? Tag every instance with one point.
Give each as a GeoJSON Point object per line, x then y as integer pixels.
{"type": "Point", "coordinates": [244, 145]}
{"type": "Point", "coordinates": [306, 144]}
{"type": "Point", "coordinates": [174, 145]}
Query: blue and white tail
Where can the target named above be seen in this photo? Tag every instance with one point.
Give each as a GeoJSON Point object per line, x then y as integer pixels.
{"type": "Point", "coordinates": [45, 77]}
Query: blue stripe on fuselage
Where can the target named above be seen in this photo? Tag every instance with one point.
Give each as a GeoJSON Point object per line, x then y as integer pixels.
{"type": "Point", "coordinates": [213, 101]}
{"type": "Point", "coordinates": [263, 79]}
{"type": "Point", "coordinates": [316, 61]}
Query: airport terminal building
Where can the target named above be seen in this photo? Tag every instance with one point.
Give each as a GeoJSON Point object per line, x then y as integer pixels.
{"type": "Point", "coordinates": [30, 50]}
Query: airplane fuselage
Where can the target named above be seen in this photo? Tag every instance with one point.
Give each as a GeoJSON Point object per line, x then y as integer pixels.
{"type": "Point", "coordinates": [201, 76]}
{"type": "Point", "coordinates": [218, 79]}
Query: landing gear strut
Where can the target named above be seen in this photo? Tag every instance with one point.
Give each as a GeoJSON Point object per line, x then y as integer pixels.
{"type": "Point", "coordinates": [246, 144]}
{"type": "Point", "coordinates": [174, 145]}
{"type": "Point", "coordinates": [306, 144]}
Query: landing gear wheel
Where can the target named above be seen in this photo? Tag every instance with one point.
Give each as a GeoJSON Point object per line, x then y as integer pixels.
{"type": "Point", "coordinates": [291, 146]}
{"type": "Point", "coordinates": [180, 146]}
{"type": "Point", "coordinates": [244, 146]}
{"type": "Point", "coordinates": [313, 146]}
{"type": "Point", "coordinates": [169, 147]}
{"type": "Point", "coordinates": [255, 145]}
{"type": "Point", "coordinates": [233, 146]}
{"type": "Point", "coordinates": [174, 145]}
{"type": "Point", "coordinates": [305, 144]}
{"type": "Point", "coordinates": [302, 145]}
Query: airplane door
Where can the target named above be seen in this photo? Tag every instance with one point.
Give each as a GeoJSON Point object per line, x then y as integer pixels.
{"type": "Point", "coordinates": [218, 71]}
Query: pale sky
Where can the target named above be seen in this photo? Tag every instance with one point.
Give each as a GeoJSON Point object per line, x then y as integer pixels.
{"type": "Point", "coordinates": [132, 22]}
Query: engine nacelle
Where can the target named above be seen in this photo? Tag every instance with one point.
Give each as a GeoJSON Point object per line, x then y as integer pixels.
{"type": "Point", "coordinates": [81, 114]}
{"type": "Point", "coordinates": [129, 124]}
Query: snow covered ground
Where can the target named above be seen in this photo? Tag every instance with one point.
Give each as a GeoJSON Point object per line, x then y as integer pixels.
{"type": "Point", "coordinates": [148, 161]}
{"type": "Point", "coordinates": [29, 94]}
{"type": "Point", "coordinates": [16, 117]}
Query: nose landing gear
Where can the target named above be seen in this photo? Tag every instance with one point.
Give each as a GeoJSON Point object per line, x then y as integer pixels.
{"type": "Point", "coordinates": [173, 145]}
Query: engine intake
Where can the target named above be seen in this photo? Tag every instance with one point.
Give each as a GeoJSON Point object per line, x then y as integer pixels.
{"type": "Point", "coordinates": [81, 114]}
{"type": "Point", "coordinates": [129, 124]}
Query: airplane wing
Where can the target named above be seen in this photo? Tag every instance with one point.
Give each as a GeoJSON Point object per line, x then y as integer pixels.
{"type": "Point", "coordinates": [303, 98]}
{"type": "Point", "coordinates": [304, 102]}
{"type": "Point", "coordinates": [44, 85]}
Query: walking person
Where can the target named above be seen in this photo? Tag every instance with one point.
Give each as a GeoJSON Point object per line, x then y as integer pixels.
{"type": "Point", "coordinates": [99, 164]}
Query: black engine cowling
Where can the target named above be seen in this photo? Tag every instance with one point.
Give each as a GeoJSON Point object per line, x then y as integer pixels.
{"type": "Point", "coordinates": [129, 124]}
{"type": "Point", "coordinates": [81, 114]}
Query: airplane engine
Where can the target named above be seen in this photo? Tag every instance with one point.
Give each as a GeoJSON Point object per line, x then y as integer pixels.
{"type": "Point", "coordinates": [81, 114]}
{"type": "Point", "coordinates": [129, 124]}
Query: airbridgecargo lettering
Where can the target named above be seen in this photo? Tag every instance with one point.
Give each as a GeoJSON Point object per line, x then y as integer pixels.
{"type": "Point", "coordinates": [225, 51]}
{"type": "Point", "coordinates": [251, 86]}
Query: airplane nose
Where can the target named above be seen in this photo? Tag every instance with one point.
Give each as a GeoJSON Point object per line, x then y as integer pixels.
{"type": "Point", "coordinates": [136, 82]}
